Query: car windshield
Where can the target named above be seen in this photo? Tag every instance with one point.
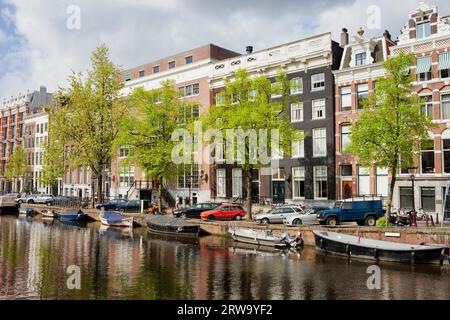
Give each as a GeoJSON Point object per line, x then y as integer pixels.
{"type": "Point", "coordinates": [338, 204]}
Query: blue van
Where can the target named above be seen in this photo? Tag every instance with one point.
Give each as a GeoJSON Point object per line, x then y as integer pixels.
{"type": "Point", "coordinates": [361, 211]}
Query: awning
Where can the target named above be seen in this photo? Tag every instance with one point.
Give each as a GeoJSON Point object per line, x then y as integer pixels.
{"type": "Point", "coordinates": [423, 65]}
{"type": "Point", "coordinates": [444, 61]}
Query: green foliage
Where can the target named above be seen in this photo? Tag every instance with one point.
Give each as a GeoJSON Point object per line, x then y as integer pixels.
{"type": "Point", "coordinates": [390, 127]}
{"type": "Point", "coordinates": [17, 164]}
{"type": "Point", "coordinates": [53, 163]}
{"type": "Point", "coordinates": [382, 222]}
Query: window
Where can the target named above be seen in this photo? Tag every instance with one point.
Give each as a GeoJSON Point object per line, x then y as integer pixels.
{"type": "Point", "coordinates": [279, 174]}
{"type": "Point", "coordinates": [297, 112]}
{"type": "Point", "coordinates": [237, 182]}
{"type": "Point", "coordinates": [196, 88]}
{"type": "Point", "coordinates": [172, 64]}
{"type": "Point", "coordinates": [188, 176]}
{"type": "Point", "coordinates": [189, 59]}
{"type": "Point", "coordinates": [155, 69]}
{"type": "Point", "coordinates": [141, 73]}
{"type": "Point", "coordinates": [296, 86]}
{"type": "Point", "coordinates": [126, 178]}
{"type": "Point", "coordinates": [427, 199]}
{"type": "Point", "coordinates": [298, 182]}
{"type": "Point", "coordinates": [423, 68]}
{"type": "Point", "coordinates": [423, 30]}
{"type": "Point", "coordinates": [445, 106]}
{"type": "Point", "coordinates": [320, 183]}
{"type": "Point", "coordinates": [277, 153]}
{"type": "Point", "coordinates": [346, 98]}
{"type": "Point", "coordinates": [320, 142]}
{"type": "Point", "coordinates": [427, 156]}
{"type": "Point", "coordinates": [318, 109]}
{"type": "Point", "coordinates": [444, 65]}
{"type": "Point", "coordinates": [221, 183]}
{"type": "Point", "coordinates": [362, 94]}
{"type": "Point", "coordinates": [298, 148]}
{"type": "Point", "coordinates": [346, 131]}
{"type": "Point", "coordinates": [382, 182]}
{"type": "Point", "coordinates": [360, 59]}
{"type": "Point", "coordinates": [189, 90]}
{"type": "Point", "coordinates": [318, 82]}
{"type": "Point", "coordinates": [406, 198]}
{"type": "Point", "coordinates": [363, 181]}
{"type": "Point", "coordinates": [252, 94]}
{"type": "Point", "coordinates": [427, 107]}
{"type": "Point", "coordinates": [346, 171]}
{"type": "Point", "coordinates": [220, 99]}
{"type": "Point", "coordinates": [123, 152]}
{"type": "Point", "coordinates": [127, 77]}
{"type": "Point", "coordinates": [276, 89]}
{"type": "Point", "coordinates": [446, 150]}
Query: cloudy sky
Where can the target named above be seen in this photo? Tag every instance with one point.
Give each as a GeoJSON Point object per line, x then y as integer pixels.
{"type": "Point", "coordinates": [40, 42]}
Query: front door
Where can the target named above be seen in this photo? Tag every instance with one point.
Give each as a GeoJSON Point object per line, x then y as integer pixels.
{"type": "Point", "coordinates": [278, 191]}
{"type": "Point", "coordinates": [347, 189]}
{"type": "Point", "coordinates": [255, 191]}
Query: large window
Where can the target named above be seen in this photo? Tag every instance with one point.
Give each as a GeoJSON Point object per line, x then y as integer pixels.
{"type": "Point", "coordinates": [346, 171]}
{"type": "Point", "coordinates": [346, 98]}
{"type": "Point", "coordinates": [220, 98]}
{"type": "Point", "coordinates": [189, 90]}
{"type": "Point", "coordinates": [320, 182]}
{"type": "Point", "coordinates": [188, 176]}
{"type": "Point", "coordinates": [427, 156]}
{"type": "Point", "coordinates": [360, 59]}
{"type": "Point", "coordinates": [276, 89]}
{"type": "Point", "coordinates": [346, 131]}
{"type": "Point", "coordinates": [382, 182]}
{"type": "Point", "coordinates": [423, 30]}
{"type": "Point", "coordinates": [428, 199]}
{"type": "Point", "coordinates": [406, 197]}
{"type": "Point", "coordinates": [423, 68]}
{"type": "Point", "coordinates": [445, 106]}
{"type": "Point", "coordinates": [221, 183]}
{"type": "Point", "coordinates": [363, 181]}
{"type": "Point", "coordinates": [237, 182]}
{"type": "Point", "coordinates": [297, 86]}
{"type": "Point", "coordinates": [298, 182]}
{"type": "Point", "coordinates": [444, 65]}
{"type": "Point", "coordinates": [127, 177]}
{"type": "Point", "coordinates": [318, 109]}
{"type": "Point", "coordinates": [172, 64]}
{"type": "Point", "coordinates": [446, 150]}
{"type": "Point", "coordinates": [318, 82]}
{"type": "Point", "coordinates": [427, 107]}
{"type": "Point", "coordinates": [298, 148]}
{"type": "Point", "coordinates": [320, 142]}
{"type": "Point", "coordinates": [362, 94]}
{"type": "Point", "coordinates": [297, 112]}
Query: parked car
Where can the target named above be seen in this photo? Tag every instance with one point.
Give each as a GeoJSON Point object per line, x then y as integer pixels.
{"type": "Point", "coordinates": [224, 212]}
{"type": "Point", "coordinates": [277, 215]}
{"type": "Point", "coordinates": [195, 211]}
{"type": "Point", "coordinates": [22, 199]}
{"type": "Point", "coordinates": [306, 217]}
{"type": "Point", "coordinates": [363, 212]}
{"type": "Point", "coordinates": [62, 201]}
{"type": "Point", "coordinates": [111, 205]}
{"type": "Point", "coordinates": [41, 199]}
{"type": "Point", "coordinates": [129, 206]}
{"type": "Point", "coordinates": [31, 198]}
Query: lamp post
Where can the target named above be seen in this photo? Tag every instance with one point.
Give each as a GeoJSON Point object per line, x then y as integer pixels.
{"type": "Point", "coordinates": [412, 175]}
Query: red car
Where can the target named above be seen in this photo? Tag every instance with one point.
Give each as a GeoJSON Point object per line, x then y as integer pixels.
{"type": "Point", "coordinates": [224, 212]}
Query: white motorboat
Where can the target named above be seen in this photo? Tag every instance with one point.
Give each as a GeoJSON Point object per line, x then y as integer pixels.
{"type": "Point", "coordinates": [264, 238]}
{"type": "Point", "coordinates": [115, 219]}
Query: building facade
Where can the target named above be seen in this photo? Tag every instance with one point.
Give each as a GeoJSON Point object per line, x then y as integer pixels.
{"type": "Point", "coordinates": [361, 66]}
{"type": "Point", "coordinates": [310, 172]}
{"type": "Point", "coordinates": [427, 35]}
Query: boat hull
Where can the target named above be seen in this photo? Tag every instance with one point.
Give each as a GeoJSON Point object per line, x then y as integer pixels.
{"type": "Point", "coordinates": [258, 242]}
{"type": "Point", "coordinates": [9, 211]}
{"type": "Point", "coordinates": [125, 223]}
{"type": "Point", "coordinates": [172, 226]}
{"type": "Point", "coordinates": [432, 255]}
{"type": "Point", "coordinates": [73, 217]}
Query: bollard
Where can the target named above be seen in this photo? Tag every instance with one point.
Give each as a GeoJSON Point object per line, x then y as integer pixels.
{"type": "Point", "coordinates": [432, 222]}
{"type": "Point", "coordinates": [437, 218]}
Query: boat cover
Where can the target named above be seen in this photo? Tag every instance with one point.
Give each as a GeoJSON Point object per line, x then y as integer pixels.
{"type": "Point", "coordinates": [112, 216]}
{"type": "Point", "coordinates": [169, 221]}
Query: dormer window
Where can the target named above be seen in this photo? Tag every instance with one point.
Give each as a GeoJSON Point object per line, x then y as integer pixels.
{"type": "Point", "coordinates": [423, 30]}
{"type": "Point", "coordinates": [361, 59]}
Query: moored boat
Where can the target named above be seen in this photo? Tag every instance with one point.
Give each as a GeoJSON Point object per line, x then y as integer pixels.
{"type": "Point", "coordinates": [74, 215]}
{"type": "Point", "coordinates": [115, 219]}
{"type": "Point", "coordinates": [379, 250]}
{"type": "Point", "coordinates": [27, 211]}
{"type": "Point", "coordinates": [49, 214]}
{"type": "Point", "coordinates": [8, 206]}
{"type": "Point", "coordinates": [264, 238]}
{"type": "Point", "coordinates": [171, 225]}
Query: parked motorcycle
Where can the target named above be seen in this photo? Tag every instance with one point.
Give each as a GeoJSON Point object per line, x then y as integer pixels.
{"type": "Point", "coordinates": [401, 219]}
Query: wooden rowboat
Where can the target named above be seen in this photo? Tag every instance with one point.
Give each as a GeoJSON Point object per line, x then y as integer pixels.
{"type": "Point", "coordinates": [115, 219]}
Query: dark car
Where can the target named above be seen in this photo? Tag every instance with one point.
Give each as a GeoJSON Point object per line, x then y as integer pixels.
{"type": "Point", "coordinates": [363, 212]}
{"type": "Point", "coordinates": [111, 205]}
{"type": "Point", "coordinates": [130, 206]}
{"type": "Point", "coordinates": [195, 211]}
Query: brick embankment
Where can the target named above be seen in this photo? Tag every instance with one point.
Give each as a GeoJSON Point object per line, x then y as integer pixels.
{"type": "Point", "coordinates": [220, 228]}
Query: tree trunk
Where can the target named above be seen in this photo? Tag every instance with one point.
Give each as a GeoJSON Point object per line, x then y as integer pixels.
{"type": "Point", "coordinates": [100, 187]}
{"type": "Point", "coordinates": [160, 196]}
{"type": "Point", "coordinates": [248, 200]}
{"type": "Point", "coordinates": [391, 194]}
{"type": "Point", "coordinates": [92, 190]}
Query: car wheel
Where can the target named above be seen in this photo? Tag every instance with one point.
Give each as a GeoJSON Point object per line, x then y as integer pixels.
{"type": "Point", "coordinates": [20, 202]}
{"type": "Point", "coordinates": [265, 221]}
{"type": "Point", "coordinates": [371, 221]}
{"type": "Point", "coordinates": [30, 201]}
{"type": "Point", "coordinates": [332, 221]}
{"type": "Point", "coordinates": [238, 217]}
{"type": "Point", "coordinates": [297, 222]}
{"type": "Point", "coordinates": [211, 217]}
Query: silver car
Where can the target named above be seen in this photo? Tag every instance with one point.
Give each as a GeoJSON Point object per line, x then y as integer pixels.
{"type": "Point", "coordinates": [307, 217]}
{"type": "Point", "coordinates": [277, 215]}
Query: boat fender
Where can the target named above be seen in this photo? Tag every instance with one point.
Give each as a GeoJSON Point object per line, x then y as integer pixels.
{"type": "Point", "coordinates": [413, 256]}
{"type": "Point", "coordinates": [347, 250]}
{"type": "Point", "coordinates": [375, 254]}
{"type": "Point", "coordinates": [322, 244]}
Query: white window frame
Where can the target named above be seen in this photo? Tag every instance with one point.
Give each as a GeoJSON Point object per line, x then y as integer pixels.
{"type": "Point", "coordinates": [321, 135]}
{"type": "Point", "coordinates": [363, 175]}
{"type": "Point", "coordinates": [297, 107]}
{"type": "Point", "coordinates": [447, 101]}
{"type": "Point", "coordinates": [298, 175]}
{"type": "Point", "coordinates": [318, 78]}
{"type": "Point", "coordinates": [345, 134]}
{"type": "Point", "coordinates": [296, 88]}
{"type": "Point", "coordinates": [273, 85]}
{"type": "Point", "coordinates": [322, 177]}
{"type": "Point", "coordinates": [221, 182]}
{"type": "Point", "coordinates": [237, 182]}
{"type": "Point", "coordinates": [318, 107]}
{"type": "Point", "coordinates": [298, 148]}
{"type": "Point", "coordinates": [346, 94]}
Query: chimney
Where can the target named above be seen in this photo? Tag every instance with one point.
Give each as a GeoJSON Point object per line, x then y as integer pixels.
{"type": "Point", "coordinates": [344, 37]}
{"type": "Point", "coordinates": [249, 49]}
{"type": "Point", "coordinates": [387, 35]}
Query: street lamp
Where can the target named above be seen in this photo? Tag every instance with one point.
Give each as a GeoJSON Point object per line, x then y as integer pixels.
{"type": "Point", "coordinates": [412, 175]}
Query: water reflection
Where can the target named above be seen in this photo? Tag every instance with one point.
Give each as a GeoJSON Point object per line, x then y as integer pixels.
{"type": "Point", "coordinates": [125, 264]}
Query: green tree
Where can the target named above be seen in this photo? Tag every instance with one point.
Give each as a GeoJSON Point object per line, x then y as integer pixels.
{"type": "Point", "coordinates": [86, 115]}
{"type": "Point", "coordinates": [391, 126]}
{"type": "Point", "coordinates": [146, 130]}
{"type": "Point", "coordinates": [251, 104]}
{"type": "Point", "coordinates": [53, 164]}
{"type": "Point", "coordinates": [17, 166]}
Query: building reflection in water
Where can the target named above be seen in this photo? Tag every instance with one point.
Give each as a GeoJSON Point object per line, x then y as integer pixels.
{"type": "Point", "coordinates": [119, 264]}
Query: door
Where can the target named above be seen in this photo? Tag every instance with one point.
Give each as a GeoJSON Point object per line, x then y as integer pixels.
{"type": "Point", "coordinates": [255, 192]}
{"type": "Point", "coordinates": [347, 189]}
{"type": "Point", "coordinates": [278, 191]}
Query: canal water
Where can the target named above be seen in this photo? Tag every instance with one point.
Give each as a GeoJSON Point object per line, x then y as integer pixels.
{"type": "Point", "coordinates": [121, 264]}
